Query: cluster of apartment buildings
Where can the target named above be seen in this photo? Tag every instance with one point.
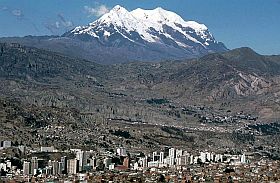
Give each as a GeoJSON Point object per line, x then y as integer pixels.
{"type": "Point", "coordinates": [5, 144]}
{"type": "Point", "coordinates": [53, 167]}
{"type": "Point", "coordinates": [178, 157]}
{"type": "Point", "coordinates": [88, 161]}
{"type": "Point", "coordinates": [84, 161]}
{"type": "Point", "coordinates": [170, 164]}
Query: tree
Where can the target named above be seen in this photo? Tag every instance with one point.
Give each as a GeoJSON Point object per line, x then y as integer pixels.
{"type": "Point", "coordinates": [161, 178]}
{"type": "Point", "coordinates": [3, 173]}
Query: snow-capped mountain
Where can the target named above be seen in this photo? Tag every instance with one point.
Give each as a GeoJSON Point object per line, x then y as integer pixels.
{"type": "Point", "coordinates": [126, 36]}
{"type": "Point", "coordinates": [157, 30]}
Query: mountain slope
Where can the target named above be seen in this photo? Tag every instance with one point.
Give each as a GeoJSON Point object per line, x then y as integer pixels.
{"type": "Point", "coordinates": [234, 79]}
{"type": "Point", "coordinates": [239, 77]}
{"type": "Point", "coordinates": [22, 62]}
{"type": "Point", "coordinates": [50, 99]}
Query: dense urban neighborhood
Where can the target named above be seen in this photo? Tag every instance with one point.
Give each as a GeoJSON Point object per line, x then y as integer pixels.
{"type": "Point", "coordinates": [48, 164]}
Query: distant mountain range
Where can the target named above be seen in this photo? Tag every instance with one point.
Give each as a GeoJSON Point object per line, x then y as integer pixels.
{"type": "Point", "coordinates": [139, 35]}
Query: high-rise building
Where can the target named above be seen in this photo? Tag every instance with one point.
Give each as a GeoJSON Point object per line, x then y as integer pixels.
{"type": "Point", "coordinates": [50, 163]}
{"type": "Point", "coordinates": [243, 158]}
{"type": "Point", "coordinates": [135, 166]}
{"type": "Point", "coordinates": [34, 165]}
{"type": "Point", "coordinates": [7, 144]}
{"type": "Point", "coordinates": [143, 162]}
{"type": "Point", "coordinates": [202, 157]}
{"type": "Point", "coordinates": [82, 156]}
{"type": "Point", "coordinates": [195, 159]}
{"type": "Point", "coordinates": [9, 164]}
{"type": "Point", "coordinates": [121, 151]}
{"type": "Point", "coordinates": [171, 156]}
{"type": "Point", "coordinates": [86, 159]}
{"type": "Point", "coordinates": [156, 157]}
{"type": "Point", "coordinates": [219, 158]}
{"type": "Point", "coordinates": [212, 157]}
{"type": "Point", "coordinates": [191, 159]}
{"type": "Point", "coordinates": [208, 156]}
{"type": "Point", "coordinates": [60, 168]}
{"type": "Point", "coordinates": [73, 166]}
{"type": "Point", "coordinates": [179, 152]}
{"type": "Point", "coordinates": [49, 170]}
{"type": "Point", "coordinates": [166, 160]}
{"type": "Point", "coordinates": [161, 157]}
{"type": "Point", "coordinates": [55, 167]}
{"type": "Point", "coordinates": [182, 160]}
{"type": "Point", "coordinates": [172, 152]}
{"type": "Point", "coordinates": [171, 161]}
{"type": "Point", "coordinates": [126, 162]}
{"type": "Point", "coordinates": [92, 162]}
{"type": "Point", "coordinates": [26, 168]}
{"type": "Point", "coordinates": [64, 164]}
{"type": "Point", "coordinates": [107, 162]}
{"type": "Point", "coordinates": [187, 157]}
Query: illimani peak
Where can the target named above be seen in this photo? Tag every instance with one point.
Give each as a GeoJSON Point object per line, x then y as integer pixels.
{"type": "Point", "coordinates": [153, 34]}
{"type": "Point", "coordinates": [123, 35]}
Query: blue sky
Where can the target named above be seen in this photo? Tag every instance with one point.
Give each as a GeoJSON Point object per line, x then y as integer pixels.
{"type": "Point", "coordinates": [237, 23]}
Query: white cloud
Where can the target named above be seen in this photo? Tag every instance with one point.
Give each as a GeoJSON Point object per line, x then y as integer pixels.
{"type": "Point", "coordinates": [57, 25]}
{"type": "Point", "coordinates": [17, 13]}
{"type": "Point", "coordinates": [96, 11]}
{"type": "Point", "coordinates": [60, 25]}
{"type": "Point", "coordinates": [67, 24]}
{"type": "Point", "coordinates": [64, 22]}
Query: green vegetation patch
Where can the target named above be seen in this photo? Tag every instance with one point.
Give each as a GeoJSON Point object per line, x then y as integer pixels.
{"type": "Point", "coordinates": [157, 101]}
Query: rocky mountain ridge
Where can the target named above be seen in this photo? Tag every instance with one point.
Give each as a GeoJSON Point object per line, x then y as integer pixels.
{"type": "Point", "coordinates": [238, 77]}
